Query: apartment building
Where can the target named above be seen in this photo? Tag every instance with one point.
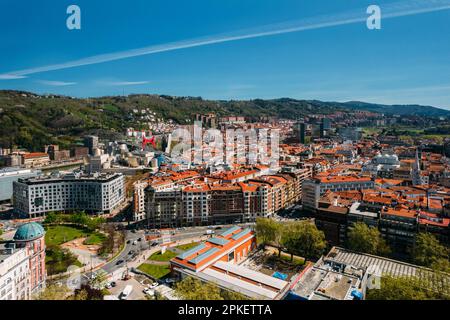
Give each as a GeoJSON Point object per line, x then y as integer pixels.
{"type": "Point", "coordinates": [313, 189]}
{"type": "Point", "coordinates": [164, 207]}
{"type": "Point", "coordinates": [139, 200]}
{"type": "Point", "coordinates": [94, 193]}
{"type": "Point", "coordinates": [22, 263]}
{"type": "Point", "coordinates": [218, 202]}
{"type": "Point", "coordinates": [35, 159]}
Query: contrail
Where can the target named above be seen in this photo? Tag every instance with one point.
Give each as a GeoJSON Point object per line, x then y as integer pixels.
{"type": "Point", "coordinates": [397, 9]}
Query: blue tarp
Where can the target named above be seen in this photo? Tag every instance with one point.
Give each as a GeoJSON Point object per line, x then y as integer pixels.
{"type": "Point", "coordinates": [280, 275]}
{"type": "Point", "coordinates": [357, 295]}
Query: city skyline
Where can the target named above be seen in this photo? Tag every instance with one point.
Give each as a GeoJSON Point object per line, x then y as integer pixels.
{"type": "Point", "coordinates": [253, 56]}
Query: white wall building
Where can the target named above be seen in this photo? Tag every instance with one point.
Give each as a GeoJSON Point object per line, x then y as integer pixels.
{"type": "Point", "coordinates": [95, 193]}
{"type": "Point", "coordinates": [14, 273]}
{"type": "Point", "coordinates": [313, 189]}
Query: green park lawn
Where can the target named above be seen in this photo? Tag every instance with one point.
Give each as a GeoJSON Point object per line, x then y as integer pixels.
{"type": "Point", "coordinates": [187, 246]}
{"type": "Point", "coordinates": [156, 271]}
{"type": "Point", "coordinates": [95, 238]}
{"type": "Point", "coordinates": [56, 235]}
{"type": "Point", "coordinates": [163, 257]}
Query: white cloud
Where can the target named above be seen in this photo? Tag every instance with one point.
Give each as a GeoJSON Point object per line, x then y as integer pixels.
{"type": "Point", "coordinates": [7, 76]}
{"type": "Point", "coordinates": [122, 83]}
{"type": "Point", "coordinates": [56, 83]}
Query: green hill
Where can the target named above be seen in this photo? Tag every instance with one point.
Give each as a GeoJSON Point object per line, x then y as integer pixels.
{"type": "Point", "coordinates": [29, 120]}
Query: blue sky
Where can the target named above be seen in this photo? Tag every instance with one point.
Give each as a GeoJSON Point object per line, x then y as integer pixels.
{"type": "Point", "coordinates": [407, 61]}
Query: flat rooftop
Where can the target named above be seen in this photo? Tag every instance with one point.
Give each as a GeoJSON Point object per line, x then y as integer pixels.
{"type": "Point", "coordinates": [104, 177]}
{"type": "Point", "coordinates": [325, 284]}
{"type": "Point", "coordinates": [363, 261]}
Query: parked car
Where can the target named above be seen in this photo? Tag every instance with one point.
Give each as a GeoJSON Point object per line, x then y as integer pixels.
{"type": "Point", "coordinates": [113, 284]}
{"type": "Point", "coordinates": [126, 292]}
{"type": "Point", "coordinates": [149, 291]}
{"type": "Point", "coordinates": [170, 280]}
{"type": "Point", "coordinates": [154, 244]}
{"type": "Point", "coordinates": [119, 262]}
{"type": "Point", "coordinates": [153, 285]}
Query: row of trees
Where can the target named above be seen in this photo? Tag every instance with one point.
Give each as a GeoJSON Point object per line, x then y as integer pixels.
{"type": "Point", "coordinates": [113, 242]}
{"type": "Point", "coordinates": [300, 238]}
{"type": "Point", "coordinates": [192, 289]}
{"type": "Point", "coordinates": [55, 291]}
{"type": "Point", "coordinates": [427, 252]}
{"type": "Point", "coordinates": [59, 259]}
{"type": "Point", "coordinates": [80, 218]}
{"type": "Point", "coordinates": [362, 238]}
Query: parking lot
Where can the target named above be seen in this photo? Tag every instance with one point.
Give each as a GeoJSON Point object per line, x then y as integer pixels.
{"type": "Point", "coordinates": [136, 294]}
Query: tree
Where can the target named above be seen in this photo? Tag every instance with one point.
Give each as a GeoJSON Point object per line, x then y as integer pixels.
{"type": "Point", "coordinates": [193, 289]}
{"type": "Point", "coordinates": [304, 239]}
{"type": "Point", "coordinates": [53, 292]}
{"type": "Point", "coordinates": [231, 295]}
{"type": "Point", "coordinates": [439, 278]}
{"type": "Point", "coordinates": [50, 218]}
{"type": "Point", "coordinates": [427, 250]}
{"type": "Point", "coordinates": [59, 259]}
{"type": "Point", "coordinates": [266, 230]}
{"type": "Point", "coordinates": [363, 238]}
{"type": "Point", "coordinates": [425, 286]}
{"type": "Point", "coordinates": [398, 288]}
{"type": "Point", "coordinates": [88, 292]}
{"type": "Point", "coordinates": [99, 281]}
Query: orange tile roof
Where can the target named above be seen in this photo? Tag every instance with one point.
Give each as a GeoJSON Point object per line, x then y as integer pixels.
{"type": "Point", "coordinates": [35, 155]}
{"type": "Point", "coordinates": [433, 219]}
{"type": "Point", "coordinates": [333, 179]}
{"type": "Point", "coordinates": [400, 212]}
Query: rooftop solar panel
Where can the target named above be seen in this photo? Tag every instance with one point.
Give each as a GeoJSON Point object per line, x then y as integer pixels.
{"type": "Point", "coordinates": [230, 231]}
{"type": "Point", "coordinates": [218, 241]}
{"type": "Point", "coordinates": [190, 252]}
{"type": "Point", "coordinates": [204, 255]}
{"type": "Point", "coordinates": [241, 234]}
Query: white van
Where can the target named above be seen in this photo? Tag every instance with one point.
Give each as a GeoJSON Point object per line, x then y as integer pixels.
{"type": "Point", "coordinates": [126, 292]}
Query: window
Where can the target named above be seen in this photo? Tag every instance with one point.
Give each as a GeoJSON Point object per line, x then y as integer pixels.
{"type": "Point", "coordinates": [231, 256]}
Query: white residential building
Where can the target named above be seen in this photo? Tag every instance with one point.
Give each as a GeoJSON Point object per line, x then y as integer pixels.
{"type": "Point", "coordinates": [313, 189]}
{"type": "Point", "coordinates": [14, 273]}
{"type": "Point", "coordinates": [95, 193]}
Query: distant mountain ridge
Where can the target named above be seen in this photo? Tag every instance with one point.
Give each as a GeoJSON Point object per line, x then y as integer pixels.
{"type": "Point", "coordinates": [409, 109]}
{"type": "Point", "coordinates": [31, 120]}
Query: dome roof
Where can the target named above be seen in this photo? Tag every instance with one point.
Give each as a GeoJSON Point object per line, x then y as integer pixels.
{"type": "Point", "coordinates": [29, 231]}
